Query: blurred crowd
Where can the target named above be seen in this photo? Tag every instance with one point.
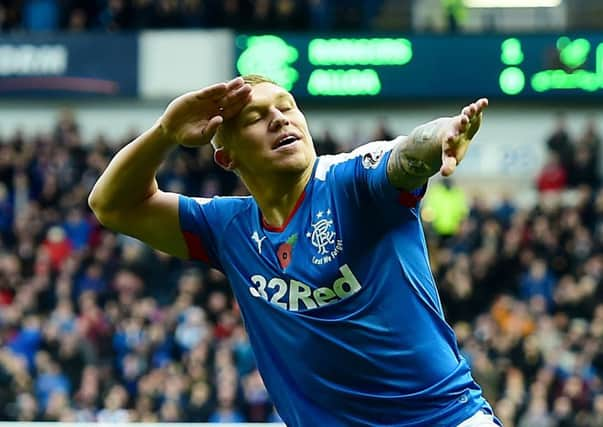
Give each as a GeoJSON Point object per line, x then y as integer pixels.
{"type": "Point", "coordinates": [523, 288]}
{"type": "Point", "coordinates": [248, 15]}
{"type": "Point", "coordinates": [95, 326]}
{"type": "Point", "coordinates": [572, 162]}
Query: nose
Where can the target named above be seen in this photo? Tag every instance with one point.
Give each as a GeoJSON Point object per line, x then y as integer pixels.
{"type": "Point", "coordinates": [279, 120]}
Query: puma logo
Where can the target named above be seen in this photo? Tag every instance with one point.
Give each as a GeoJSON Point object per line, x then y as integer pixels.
{"type": "Point", "coordinates": [256, 238]}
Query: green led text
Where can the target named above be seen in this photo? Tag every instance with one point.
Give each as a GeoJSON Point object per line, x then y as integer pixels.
{"type": "Point", "coordinates": [376, 51]}
{"type": "Point", "coordinates": [344, 83]}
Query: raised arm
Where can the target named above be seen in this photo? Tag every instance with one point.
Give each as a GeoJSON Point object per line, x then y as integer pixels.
{"type": "Point", "coordinates": [126, 197]}
{"type": "Point", "coordinates": [439, 145]}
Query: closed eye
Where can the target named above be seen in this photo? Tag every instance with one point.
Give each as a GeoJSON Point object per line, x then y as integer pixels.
{"type": "Point", "coordinates": [252, 118]}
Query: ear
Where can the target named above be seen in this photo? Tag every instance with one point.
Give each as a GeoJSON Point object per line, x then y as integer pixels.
{"type": "Point", "coordinates": [222, 157]}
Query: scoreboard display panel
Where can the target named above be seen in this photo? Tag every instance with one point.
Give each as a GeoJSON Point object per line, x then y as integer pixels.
{"type": "Point", "coordinates": [428, 66]}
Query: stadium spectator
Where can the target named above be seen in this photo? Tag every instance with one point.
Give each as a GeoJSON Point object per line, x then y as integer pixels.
{"type": "Point", "coordinates": [382, 132]}
{"type": "Point", "coordinates": [40, 15]}
{"type": "Point", "coordinates": [553, 176]}
{"type": "Point", "coordinates": [538, 282]}
{"type": "Point", "coordinates": [456, 14]}
{"type": "Point", "coordinates": [584, 172]}
{"type": "Point", "coordinates": [289, 14]}
{"type": "Point", "coordinates": [560, 143]}
{"type": "Point", "coordinates": [114, 411]}
{"type": "Point", "coordinates": [326, 143]}
{"type": "Point", "coordinates": [242, 15]}
{"type": "Point", "coordinates": [320, 14]}
{"type": "Point", "coordinates": [445, 206]}
{"type": "Point", "coordinates": [262, 15]}
{"type": "Point", "coordinates": [537, 415]}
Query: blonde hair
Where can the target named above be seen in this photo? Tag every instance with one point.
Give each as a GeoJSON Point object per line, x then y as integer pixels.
{"type": "Point", "coordinates": [222, 134]}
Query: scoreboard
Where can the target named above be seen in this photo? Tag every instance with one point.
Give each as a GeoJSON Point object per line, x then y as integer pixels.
{"type": "Point", "coordinates": [427, 66]}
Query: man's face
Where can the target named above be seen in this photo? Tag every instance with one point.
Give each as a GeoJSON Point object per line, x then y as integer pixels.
{"type": "Point", "coordinates": [270, 134]}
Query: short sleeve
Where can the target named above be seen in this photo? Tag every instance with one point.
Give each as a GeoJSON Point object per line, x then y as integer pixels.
{"type": "Point", "coordinates": [362, 176]}
{"type": "Point", "coordinates": [199, 220]}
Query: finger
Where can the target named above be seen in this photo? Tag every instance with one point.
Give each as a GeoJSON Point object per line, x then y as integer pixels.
{"type": "Point", "coordinates": [474, 126]}
{"type": "Point", "coordinates": [450, 138]}
{"type": "Point", "coordinates": [233, 103]}
{"type": "Point", "coordinates": [448, 165]}
{"type": "Point", "coordinates": [463, 123]}
{"type": "Point", "coordinates": [234, 109]}
{"type": "Point", "coordinates": [212, 126]}
{"type": "Point", "coordinates": [235, 83]}
{"type": "Point", "coordinates": [207, 132]}
{"type": "Point", "coordinates": [474, 109]}
{"type": "Point", "coordinates": [218, 90]}
{"type": "Point", "coordinates": [469, 110]}
{"type": "Point", "coordinates": [235, 95]}
{"type": "Point", "coordinates": [460, 124]}
{"type": "Point", "coordinates": [482, 103]}
{"type": "Point", "coordinates": [211, 92]}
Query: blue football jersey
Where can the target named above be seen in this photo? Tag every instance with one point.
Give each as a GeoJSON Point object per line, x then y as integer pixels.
{"type": "Point", "coordinates": [340, 305]}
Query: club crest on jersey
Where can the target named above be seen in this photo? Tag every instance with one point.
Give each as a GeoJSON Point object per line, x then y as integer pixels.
{"type": "Point", "coordinates": [324, 238]}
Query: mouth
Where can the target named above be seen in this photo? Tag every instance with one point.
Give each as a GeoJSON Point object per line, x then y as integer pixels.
{"type": "Point", "coordinates": [286, 140]}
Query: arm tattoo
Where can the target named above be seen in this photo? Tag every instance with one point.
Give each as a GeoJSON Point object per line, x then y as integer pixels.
{"type": "Point", "coordinates": [401, 165]}
{"type": "Point", "coordinates": [417, 157]}
{"type": "Point", "coordinates": [426, 133]}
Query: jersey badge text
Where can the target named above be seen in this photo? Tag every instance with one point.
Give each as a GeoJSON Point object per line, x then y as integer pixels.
{"type": "Point", "coordinates": [324, 238]}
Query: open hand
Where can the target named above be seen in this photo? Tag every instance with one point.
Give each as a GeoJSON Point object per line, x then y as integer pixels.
{"type": "Point", "coordinates": [462, 129]}
{"type": "Point", "coordinates": [193, 118]}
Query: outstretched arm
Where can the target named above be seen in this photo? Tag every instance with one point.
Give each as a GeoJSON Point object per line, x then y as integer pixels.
{"type": "Point", "coordinates": [439, 145]}
{"type": "Point", "coordinates": [126, 197]}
